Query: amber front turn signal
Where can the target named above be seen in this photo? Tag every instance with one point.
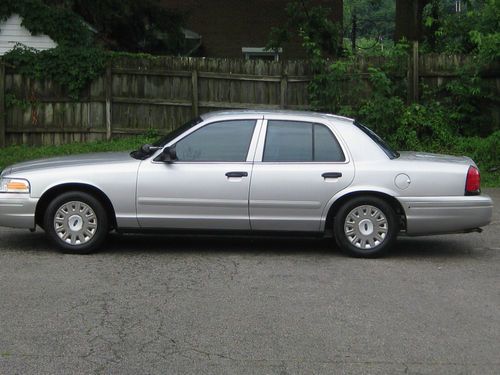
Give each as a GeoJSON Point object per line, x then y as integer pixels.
{"type": "Point", "coordinates": [14, 186]}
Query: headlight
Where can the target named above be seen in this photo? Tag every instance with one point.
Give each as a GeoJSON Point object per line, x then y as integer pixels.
{"type": "Point", "coordinates": [14, 185]}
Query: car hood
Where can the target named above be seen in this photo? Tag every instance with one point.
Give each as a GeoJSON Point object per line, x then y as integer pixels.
{"type": "Point", "coordinates": [71, 161]}
{"type": "Point", "coordinates": [437, 158]}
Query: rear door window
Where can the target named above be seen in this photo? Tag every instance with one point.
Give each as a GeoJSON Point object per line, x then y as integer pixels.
{"type": "Point", "coordinates": [295, 141]}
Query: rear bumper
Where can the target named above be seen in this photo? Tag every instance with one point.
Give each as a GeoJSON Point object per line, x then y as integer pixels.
{"type": "Point", "coordinates": [17, 210]}
{"type": "Point", "coordinates": [439, 215]}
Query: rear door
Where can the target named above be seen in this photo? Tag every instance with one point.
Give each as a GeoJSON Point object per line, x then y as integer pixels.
{"type": "Point", "coordinates": [299, 166]}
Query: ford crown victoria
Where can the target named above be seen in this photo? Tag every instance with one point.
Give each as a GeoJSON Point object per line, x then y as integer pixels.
{"type": "Point", "coordinates": [250, 172]}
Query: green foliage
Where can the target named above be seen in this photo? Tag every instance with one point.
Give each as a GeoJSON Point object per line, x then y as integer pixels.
{"type": "Point", "coordinates": [423, 127]}
{"type": "Point", "coordinates": [145, 26]}
{"type": "Point", "coordinates": [73, 64]}
{"type": "Point", "coordinates": [12, 101]}
{"type": "Point", "coordinates": [312, 24]}
{"type": "Point", "coordinates": [76, 61]}
{"type": "Point", "coordinates": [446, 120]}
{"type": "Point", "coordinates": [474, 30]}
{"type": "Point", "coordinates": [152, 133]}
{"type": "Point", "coordinates": [135, 26]}
{"type": "Point", "coordinates": [444, 117]}
{"type": "Point", "coordinates": [62, 25]}
{"type": "Point", "coordinates": [71, 67]}
{"type": "Point", "coordinates": [374, 21]}
{"type": "Point", "coordinates": [327, 88]}
{"type": "Point", "coordinates": [340, 82]}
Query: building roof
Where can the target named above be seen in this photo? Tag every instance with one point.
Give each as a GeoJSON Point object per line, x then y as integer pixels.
{"type": "Point", "coordinates": [12, 32]}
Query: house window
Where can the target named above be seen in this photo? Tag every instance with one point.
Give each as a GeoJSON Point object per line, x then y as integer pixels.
{"type": "Point", "coordinates": [253, 53]}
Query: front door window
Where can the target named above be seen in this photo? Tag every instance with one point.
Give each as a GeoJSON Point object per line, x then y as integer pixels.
{"type": "Point", "coordinates": [225, 141]}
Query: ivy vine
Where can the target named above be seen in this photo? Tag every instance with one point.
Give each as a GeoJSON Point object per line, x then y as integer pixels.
{"type": "Point", "coordinates": [73, 64]}
{"type": "Point", "coordinates": [62, 25]}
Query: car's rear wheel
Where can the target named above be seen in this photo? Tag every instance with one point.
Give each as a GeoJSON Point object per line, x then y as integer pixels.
{"type": "Point", "coordinates": [76, 222]}
{"type": "Point", "coordinates": [365, 227]}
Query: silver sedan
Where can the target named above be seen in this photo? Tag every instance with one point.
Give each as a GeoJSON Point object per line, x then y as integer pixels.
{"type": "Point", "coordinates": [250, 172]}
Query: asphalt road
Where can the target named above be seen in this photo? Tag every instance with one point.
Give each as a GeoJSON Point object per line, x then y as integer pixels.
{"type": "Point", "coordinates": [189, 305]}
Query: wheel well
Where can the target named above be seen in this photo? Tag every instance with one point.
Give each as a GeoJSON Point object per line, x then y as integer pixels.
{"type": "Point", "coordinates": [52, 193]}
{"type": "Point", "coordinates": [394, 203]}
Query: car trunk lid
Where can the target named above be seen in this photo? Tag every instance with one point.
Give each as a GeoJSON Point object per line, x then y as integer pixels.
{"type": "Point", "coordinates": [437, 158]}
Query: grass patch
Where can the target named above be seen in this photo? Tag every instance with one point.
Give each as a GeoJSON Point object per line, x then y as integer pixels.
{"type": "Point", "coordinates": [490, 179]}
{"type": "Point", "coordinates": [15, 154]}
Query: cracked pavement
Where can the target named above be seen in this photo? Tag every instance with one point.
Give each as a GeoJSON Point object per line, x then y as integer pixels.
{"type": "Point", "coordinates": [208, 305]}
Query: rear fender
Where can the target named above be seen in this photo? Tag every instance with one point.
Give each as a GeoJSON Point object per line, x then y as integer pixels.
{"type": "Point", "coordinates": [354, 190]}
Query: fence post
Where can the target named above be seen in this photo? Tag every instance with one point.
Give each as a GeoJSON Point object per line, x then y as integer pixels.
{"type": "Point", "coordinates": [413, 78]}
{"type": "Point", "coordinates": [2, 105]}
{"type": "Point", "coordinates": [284, 88]}
{"type": "Point", "coordinates": [194, 83]}
{"type": "Point", "coordinates": [108, 84]}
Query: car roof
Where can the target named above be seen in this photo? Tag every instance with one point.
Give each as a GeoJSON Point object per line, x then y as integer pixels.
{"type": "Point", "coordinates": [288, 113]}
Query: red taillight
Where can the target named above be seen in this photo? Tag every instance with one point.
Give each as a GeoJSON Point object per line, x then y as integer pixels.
{"type": "Point", "coordinates": [473, 182]}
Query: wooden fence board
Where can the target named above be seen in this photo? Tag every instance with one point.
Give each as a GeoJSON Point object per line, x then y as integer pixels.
{"type": "Point", "coordinates": [3, 115]}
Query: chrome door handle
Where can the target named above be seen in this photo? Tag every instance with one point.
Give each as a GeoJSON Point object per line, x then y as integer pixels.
{"type": "Point", "coordinates": [331, 175]}
{"type": "Point", "coordinates": [237, 174]}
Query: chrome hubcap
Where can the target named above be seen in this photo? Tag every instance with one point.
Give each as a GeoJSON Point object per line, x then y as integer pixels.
{"type": "Point", "coordinates": [366, 227]}
{"type": "Point", "coordinates": [75, 223]}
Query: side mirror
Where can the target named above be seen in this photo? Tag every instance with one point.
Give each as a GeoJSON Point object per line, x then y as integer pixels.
{"type": "Point", "coordinates": [168, 155]}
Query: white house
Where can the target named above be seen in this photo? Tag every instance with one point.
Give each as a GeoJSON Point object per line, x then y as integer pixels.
{"type": "Point", "coordinates": [12, 32]}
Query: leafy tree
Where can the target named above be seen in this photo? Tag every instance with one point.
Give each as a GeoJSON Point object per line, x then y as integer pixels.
{"type": "Point", "coordinates": [476, 29]}
{"type": "Point", "coordinates": [368, 20]}
{"type": "Point", "coordinates": [75, 61]}
{"type": "Point", "coordinates": [62, 25]}
{"type": "Point", "coordinates": [314, 23]}
{"type": "Point", "coordinates": [130, 25]}
{"type": "Point", "coordinates": [409, 15]}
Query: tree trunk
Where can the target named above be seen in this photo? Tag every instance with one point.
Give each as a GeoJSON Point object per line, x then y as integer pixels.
{"type": "Point", "coordinates": [430, 32]}
{"type": "Point", "coordinates": [337, 7]}
{"type": "Point", "coordinates": [338, 10]}
{"type": "Point", "coordinates": [409, 19]}
{"type": "Point", "coordinates": [354, 30]}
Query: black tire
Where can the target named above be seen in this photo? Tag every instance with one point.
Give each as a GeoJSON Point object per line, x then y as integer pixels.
{"type": "Point", "coordinates": [76, 222]}
{"type": "Point", "coordinates": [365, 227]}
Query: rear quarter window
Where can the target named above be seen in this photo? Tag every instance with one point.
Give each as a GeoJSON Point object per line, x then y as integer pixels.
{"type": "Point", "coordinates": [378, 140]}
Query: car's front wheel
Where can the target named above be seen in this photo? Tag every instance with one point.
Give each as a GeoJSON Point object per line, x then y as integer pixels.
{"type": "Point", "coordinates": [76, 222]}
{"type": "Point", "coordinates": [365, 227]}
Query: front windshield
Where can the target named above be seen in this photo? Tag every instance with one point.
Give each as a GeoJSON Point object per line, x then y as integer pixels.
{"type": "Point", "coordinates": [378, 140]}
{"type": "Point", "coordinates": [141, 154]}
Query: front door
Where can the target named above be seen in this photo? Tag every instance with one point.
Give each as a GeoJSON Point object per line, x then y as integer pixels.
{"type": "Point", "coordinates": [207, 186]}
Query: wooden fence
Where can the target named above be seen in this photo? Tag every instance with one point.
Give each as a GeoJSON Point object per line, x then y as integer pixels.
{"type": "Point", "coordinates": [137, 95]}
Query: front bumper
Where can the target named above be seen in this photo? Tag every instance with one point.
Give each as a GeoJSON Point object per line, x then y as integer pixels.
{"type": "Point", "coordinates": [439, 215]}
{"type": "Point", "coordinates": [17, 210]}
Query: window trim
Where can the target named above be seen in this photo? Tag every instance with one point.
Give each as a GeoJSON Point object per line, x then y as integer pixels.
{"type": "Point", "coordinates": [263, 135]}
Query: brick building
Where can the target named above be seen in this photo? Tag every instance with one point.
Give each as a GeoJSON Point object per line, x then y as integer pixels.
{"type": "Point", "coordinates": [240, 28]}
